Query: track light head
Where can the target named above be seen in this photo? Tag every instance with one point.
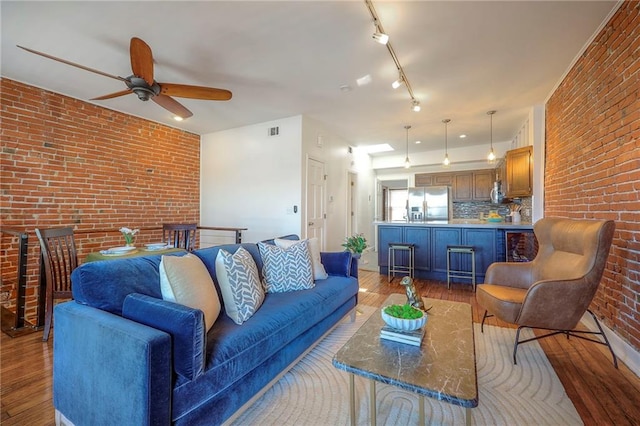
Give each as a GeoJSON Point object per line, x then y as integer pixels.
{"type": "Point", "coordinates": [381, 38]}
{"type": "Point", "coordinates": [415, 105]}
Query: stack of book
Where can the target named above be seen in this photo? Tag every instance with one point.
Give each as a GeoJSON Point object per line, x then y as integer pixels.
{"type": "Point", "coordinates": [410, 337]}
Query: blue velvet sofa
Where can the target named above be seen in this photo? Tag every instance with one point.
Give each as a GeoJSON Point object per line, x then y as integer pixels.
{"type": "Point", "coordinates": [124, 356]}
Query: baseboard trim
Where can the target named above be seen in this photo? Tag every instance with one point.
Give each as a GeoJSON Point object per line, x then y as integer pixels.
{"type": "Point", "coordinates": [623, 350]}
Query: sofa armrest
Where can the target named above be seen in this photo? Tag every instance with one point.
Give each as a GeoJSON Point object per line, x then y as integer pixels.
{"type": "Point", "coordinates": [185, 325]}
{"type": "Point", "coordinates": [108, 369]}
{"type": "Point", "coordinates": [339, 263]}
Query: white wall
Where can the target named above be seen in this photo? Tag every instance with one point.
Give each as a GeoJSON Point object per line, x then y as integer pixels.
{"type": "Point", "coordinates": [249, 179]}
{"type": "Point", "coordinates": [252, 180]}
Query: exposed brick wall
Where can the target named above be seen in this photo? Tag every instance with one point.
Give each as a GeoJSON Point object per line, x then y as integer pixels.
{"type": "Point", "coordinates": [66, 162]}
{"type": "Point", "coordinates": [593, 159]}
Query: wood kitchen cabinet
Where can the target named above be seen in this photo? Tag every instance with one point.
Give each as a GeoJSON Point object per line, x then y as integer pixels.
{"type": "Point", "coordinates": [463, 187]}
{"type": "Point", "coordinates": [519, 172]}
{"type": "Point", "coordinates": [472, 185]}
{"type": "Point", "coordinates": [482, 184]}
{"type": "Point", "coordinates": [434, 179]}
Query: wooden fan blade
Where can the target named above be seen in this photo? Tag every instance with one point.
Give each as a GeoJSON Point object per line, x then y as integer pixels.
{"type": "Point", "coordinates": [194, 92]}
{"type": "Point", "coordinates": [141, 60]}
{"type": "Point", "coordinates": [73, 64]}
{"type": "Point", "coordinates": [112, 95]}
{"type": "Point", "coordinates": [172, 106]}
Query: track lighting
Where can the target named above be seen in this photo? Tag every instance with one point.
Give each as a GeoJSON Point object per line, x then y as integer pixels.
{"type": "Point", "coordinates": [491, 158]}
{"type": "Point", "coordinates": [446, 161]}
{"type": "Point", "coordinates": [381, 38]}
{"type": "Point", "coordinates": [397, 83]}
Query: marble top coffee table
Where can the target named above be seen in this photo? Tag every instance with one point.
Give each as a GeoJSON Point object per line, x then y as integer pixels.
{"type": "Point", "coordinates": [443, 367]}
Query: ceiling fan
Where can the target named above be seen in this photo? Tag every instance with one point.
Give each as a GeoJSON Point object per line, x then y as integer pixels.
{"type": "Point", "coordinates": [142, 82]}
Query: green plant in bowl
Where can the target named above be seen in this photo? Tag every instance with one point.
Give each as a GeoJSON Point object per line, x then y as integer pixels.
{"type": "Point", "coordinates": [403, 317]}
{"type": "Point", "coordinates": [405, 311]}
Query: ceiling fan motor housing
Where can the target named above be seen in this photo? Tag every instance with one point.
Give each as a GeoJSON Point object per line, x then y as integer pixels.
{"type": "Point", "coordinates": [141, 88]}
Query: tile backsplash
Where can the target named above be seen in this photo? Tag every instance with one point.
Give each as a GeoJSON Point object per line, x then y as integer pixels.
{"type": "Point", "coordinates": [472, 209]}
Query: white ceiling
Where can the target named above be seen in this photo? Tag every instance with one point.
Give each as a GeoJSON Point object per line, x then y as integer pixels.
{"type": "Point", "coordinates": [284, 58]}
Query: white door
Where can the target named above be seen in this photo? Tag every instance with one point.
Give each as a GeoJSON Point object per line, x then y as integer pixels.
{"type": "Point", "coordinates": [315, 201]}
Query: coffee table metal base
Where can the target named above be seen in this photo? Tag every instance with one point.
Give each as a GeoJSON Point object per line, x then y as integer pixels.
{"type": "Point", "coordinates": [373, 405]}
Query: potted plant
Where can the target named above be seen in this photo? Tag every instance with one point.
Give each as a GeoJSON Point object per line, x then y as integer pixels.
{"type": "Point", "coordinates": [356, 244]}
{"type": "Point", "coordinates": [403, 317]}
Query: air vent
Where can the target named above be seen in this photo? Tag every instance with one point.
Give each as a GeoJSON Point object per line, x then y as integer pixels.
{"type": "Point", "coordinates": [274, 131]}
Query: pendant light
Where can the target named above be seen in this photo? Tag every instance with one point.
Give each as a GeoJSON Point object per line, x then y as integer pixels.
{"type": "Point", "coordinates": [407, 163]}
{"type": "Point", "coordinates": [446, 161]}
{"type": "Point", "coordinates": [492, 156]}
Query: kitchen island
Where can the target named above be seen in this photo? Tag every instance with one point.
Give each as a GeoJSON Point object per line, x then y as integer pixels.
{"type": "Point", "coordinates": [431, 239]}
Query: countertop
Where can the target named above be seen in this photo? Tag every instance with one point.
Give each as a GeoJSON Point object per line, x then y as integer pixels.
{"type": "Point", "coordinates": [459, 223]}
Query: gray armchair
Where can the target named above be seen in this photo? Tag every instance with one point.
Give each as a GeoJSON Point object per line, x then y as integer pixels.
{"type": "Point", "coordinates": [554, 290]}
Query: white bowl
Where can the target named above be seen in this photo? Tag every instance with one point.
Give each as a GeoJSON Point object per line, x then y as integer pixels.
{"type": "Point", "coordinates": [404, 324]}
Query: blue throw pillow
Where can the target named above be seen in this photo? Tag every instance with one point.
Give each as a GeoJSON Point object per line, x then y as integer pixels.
{"type": "Point", "coordinates": [286, 269]}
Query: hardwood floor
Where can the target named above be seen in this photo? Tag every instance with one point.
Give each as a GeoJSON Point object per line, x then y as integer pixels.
{"type": "Point", "coordinates": [601, 394]}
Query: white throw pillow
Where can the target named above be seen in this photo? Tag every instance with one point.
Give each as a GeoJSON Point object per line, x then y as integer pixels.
{"type": "Point", "coordinates": [240, 284]}
{"type": "Point", "coordinates": [185, 280]}
{"type": "Point", "coordinates": [286, 269]}
{"type": "Point", "coordinates": [319, 272]}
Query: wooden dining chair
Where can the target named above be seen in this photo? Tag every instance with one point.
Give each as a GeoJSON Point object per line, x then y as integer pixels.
{"type": "Point", "coordinates": [180, 235]}
{"type": "Point", "coordinates": [58, 259]}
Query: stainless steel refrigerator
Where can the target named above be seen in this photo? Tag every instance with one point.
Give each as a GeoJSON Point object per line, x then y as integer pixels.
{"type": "Point", "coordinates": [429, 203]}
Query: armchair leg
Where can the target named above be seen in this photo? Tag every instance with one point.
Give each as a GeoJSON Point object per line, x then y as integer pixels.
{"type": "Point", "coordinates": [604, 336]}
{"type": "Point", "coordinates": [575, 333]}
{"type": "Point", "coordinates": [484, 317]}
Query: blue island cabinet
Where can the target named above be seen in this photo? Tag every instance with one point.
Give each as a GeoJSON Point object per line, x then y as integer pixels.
{"type": "Point", "coordinates": [419, 236]}
{"type": "Point", "coordinates": [431, 248]}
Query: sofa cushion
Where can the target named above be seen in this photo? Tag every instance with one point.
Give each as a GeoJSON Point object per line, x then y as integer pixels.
{"type": "Point", "coordinates": [104, 284]}
{"type": "Point", "coordinates": [240, 284]}
{"type": "Point", "coordinates": [233, 351]}
{"type": "Point", "coordinates": [186, 281]}
{"type": "Point", "coordinates": [319, 273]}
{"type": "Point", "coordinates": [286, 269]}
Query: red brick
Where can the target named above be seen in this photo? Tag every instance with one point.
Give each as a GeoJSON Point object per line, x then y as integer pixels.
{"type": "Point", "coordinates": [70, 163]}
{"type": "Point", "coordinates": [593, 126]}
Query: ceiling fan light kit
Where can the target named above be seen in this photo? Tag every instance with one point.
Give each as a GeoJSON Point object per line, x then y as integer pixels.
{"type": "Point", "coordinates": [145, 87]}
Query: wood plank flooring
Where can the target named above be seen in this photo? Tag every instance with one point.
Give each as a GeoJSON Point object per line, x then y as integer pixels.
{"type": "Point", "coordinates": [601, 394]}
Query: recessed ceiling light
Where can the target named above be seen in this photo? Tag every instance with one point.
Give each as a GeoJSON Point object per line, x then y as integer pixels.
{"type": "Point", "coordinates": [463, 136]}
{"type": "Point", "coordinates": [417, 142]}
{"type": "Point", "coordinates": [177, 118]}
{"type": "Point", "coordinates": [345, 88]}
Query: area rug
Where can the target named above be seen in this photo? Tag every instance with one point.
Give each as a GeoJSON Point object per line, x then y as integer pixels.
{"type": "Point", "coordinates": [314, 392]}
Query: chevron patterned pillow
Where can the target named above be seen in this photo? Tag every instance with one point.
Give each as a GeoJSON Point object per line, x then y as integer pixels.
{"type": "Point", "coordinates": [286, 269]}
{"type": "Point", "coordinates": [240, 285]}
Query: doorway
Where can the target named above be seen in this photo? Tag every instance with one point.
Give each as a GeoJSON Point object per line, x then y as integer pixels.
{"type": "Point", "coordinates": [315, 208]}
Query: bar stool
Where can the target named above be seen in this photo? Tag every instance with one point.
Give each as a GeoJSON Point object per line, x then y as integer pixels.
{"type": "Point", "coordinates": [460, 273]}
{"type": "Point", "coordinates": [393, 267]}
